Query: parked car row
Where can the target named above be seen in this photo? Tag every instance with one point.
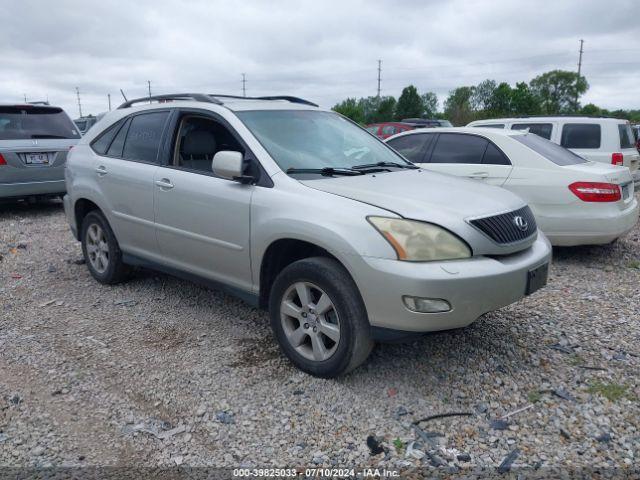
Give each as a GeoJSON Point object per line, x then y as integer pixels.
{"type": "Point", "coordinates": [344, 239]}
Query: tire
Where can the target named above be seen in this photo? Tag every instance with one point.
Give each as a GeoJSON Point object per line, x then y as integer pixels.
{"type": "Point", "coordinates": [313, 348]}
{"type": "Point", "coordinates": [109, 269]}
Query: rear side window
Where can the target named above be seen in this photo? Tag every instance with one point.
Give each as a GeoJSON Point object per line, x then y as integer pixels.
{"type": "Point", "coordinates": [581, 135]}
{"type": "Point", "coordinates": [101, 144]}
{"type": "Point", "coordinates": [541, 129]}
{"type": "Point", "coordinates": [549, 150]}
{"type": "Point", "coordinates": [32, 122]}
{"type": "Point", "coordinates": [412, 147]}
{"type": "Point", "coordinates": [458, 148]}
{"type": "Point", "coordinates": [626, 136]}
{"type": "Point", "coordinates": [143, 138]}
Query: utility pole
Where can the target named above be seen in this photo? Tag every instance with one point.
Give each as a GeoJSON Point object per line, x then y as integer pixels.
{"type": "Point", "coordinates": [244, 84]}
{"type": "Point", "coordinates": [149, 85]}
{"type": "Point", "coordinates": [109, 100]}
{"type": "Point", "coordinates": [379, 73]}
{"type": "Point", "coordinates": [25, 98]}
{"type": "Point", "coordinates": [579, 70]}
{"type": "Point", "coordinates": [79, 104]}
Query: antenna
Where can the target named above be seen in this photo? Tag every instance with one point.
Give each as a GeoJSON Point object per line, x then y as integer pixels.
{"type": "Point", "coordinates": [79, 103]}
{"type": "Point", "coordinates": [109, 100]}
{"type": "Point", "coordinates": [124, 96]}
{"type": "Point", "coordinates": [149, 85]}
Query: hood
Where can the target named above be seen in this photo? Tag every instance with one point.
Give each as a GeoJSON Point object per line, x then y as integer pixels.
{"type": "Point", "coordinates": [431, 197]}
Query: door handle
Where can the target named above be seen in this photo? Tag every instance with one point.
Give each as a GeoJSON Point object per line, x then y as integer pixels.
{"type": "Point", "coordinates": [165, 184]}
{"type": "Point", "coordinates": [479, 175]}
{"type": "Point", "coordinates": [101, 170]}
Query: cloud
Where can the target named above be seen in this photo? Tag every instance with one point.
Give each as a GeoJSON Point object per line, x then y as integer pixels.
{"type": "Point", "coordinates": [323, 51]}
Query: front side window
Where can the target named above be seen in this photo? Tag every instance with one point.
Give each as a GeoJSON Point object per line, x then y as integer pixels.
{"type": "Point", "coordinates": [549, 150]}
{"type": "Point", "coordinates": [581, 135]}
{"type": "Point", "coordinates": [541, 129]}
{"type": "Point", "coordinates": [459, 148]}
{"type": "Point", "coordinates": [412, 147]}
{"type": "Point", "coordinates": [23, 122]}
{"type": "Point", "coordinates": [198, 140]}
{"type": "Point", "coordinates": [144, 136]}
{"type": "Point", "coordinates": [311, 139]}
{"type": "Point", "coordinates": [626, 135]}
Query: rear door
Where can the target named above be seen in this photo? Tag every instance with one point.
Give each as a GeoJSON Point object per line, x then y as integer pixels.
{"type": "Point", "coordinates": [471, 156]}
{"type": "Point", "coordinates": [125, 177]}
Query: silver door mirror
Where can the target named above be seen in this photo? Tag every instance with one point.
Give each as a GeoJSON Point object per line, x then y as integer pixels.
{"type": "Point", "coordinates": [227, 164]}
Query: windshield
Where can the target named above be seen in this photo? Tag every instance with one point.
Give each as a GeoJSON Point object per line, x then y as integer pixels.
{"type": "Point", "coordinates": [27, 122]}
{"type": "Point", "coordinates": [549, 150]}
{"type": "Point", "coordinates": [311, 139]}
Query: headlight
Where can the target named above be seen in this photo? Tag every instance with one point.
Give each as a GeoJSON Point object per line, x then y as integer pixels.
{"type": "Point", "coordinates": [418, 241]}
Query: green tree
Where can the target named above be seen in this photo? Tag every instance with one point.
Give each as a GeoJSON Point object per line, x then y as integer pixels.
{"type": "Point", "coordinates": [409, 104]}
{"type": "Point", "coordinates": [386, 109]}
{"type": "Point", "coordinates": [499, 104]}
{"type": "Point", "coordinates": [524, 101]}
{"type": "Point", "coordinates": [457, 107]}
{"type": "Point", "coordinates": [350, 108]}
{"type": "Point", "coordinates": [429, 105]}
{"type": "Point", "coordinates": [591, 109]}
{"type": "Point", "coordinates": [559, 91]}
{"type": "Point", "coordinates": [481, 96]}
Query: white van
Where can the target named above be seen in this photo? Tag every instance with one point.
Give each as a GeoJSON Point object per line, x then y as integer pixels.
{"type": "Point", "coordinates": [600, 139]}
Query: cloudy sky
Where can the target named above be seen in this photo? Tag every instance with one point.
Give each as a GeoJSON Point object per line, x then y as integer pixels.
{"type": "Point", "coordinates": [321, 50]}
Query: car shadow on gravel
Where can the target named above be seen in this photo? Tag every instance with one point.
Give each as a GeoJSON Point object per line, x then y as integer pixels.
{"type": "Point", "coordinates": [25, 209]}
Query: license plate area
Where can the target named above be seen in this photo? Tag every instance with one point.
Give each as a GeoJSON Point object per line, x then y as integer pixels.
{"type": "Point", "coordinates": [37, 158]}
{"type": "Point", "coordinates": [537, 278]}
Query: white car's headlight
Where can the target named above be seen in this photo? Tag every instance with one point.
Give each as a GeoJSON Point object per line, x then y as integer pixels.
{"type": "Point", "coordinates": [418, 241]}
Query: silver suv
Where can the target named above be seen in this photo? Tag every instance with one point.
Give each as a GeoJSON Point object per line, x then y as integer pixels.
{"type": "Point", "coordinates": [300, 211]}
{"type": "Point", "coordinates": [34, 141]}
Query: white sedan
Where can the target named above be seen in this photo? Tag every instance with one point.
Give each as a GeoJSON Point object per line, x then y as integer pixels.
{"type": "Point", "coordinates": [575, 201]}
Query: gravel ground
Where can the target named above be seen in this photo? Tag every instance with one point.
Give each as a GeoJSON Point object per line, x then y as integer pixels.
{"type": "Point", "coordinates": [161, 372]}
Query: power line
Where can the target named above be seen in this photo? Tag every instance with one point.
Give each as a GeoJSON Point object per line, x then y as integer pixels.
{"type": "Point", "coordinates": [379, 73]}
{"type": "Point", "coordinates": [244, 84]}
{"type": "Point", "coordinates": [79, 103]}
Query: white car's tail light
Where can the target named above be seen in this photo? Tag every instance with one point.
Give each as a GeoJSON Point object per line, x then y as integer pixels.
{"type": "Point", "coordinates": [596, 191]}
{"type": "Point", "coordinates": [617, 159]}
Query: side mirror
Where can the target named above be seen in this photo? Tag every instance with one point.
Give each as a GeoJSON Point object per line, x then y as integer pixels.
{"type": "Point", "coordinates": [228, 164]}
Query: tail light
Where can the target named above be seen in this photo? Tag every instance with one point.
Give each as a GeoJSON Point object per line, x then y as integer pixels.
{"type": "Point", "coordinates": [617, 159]}
{"type": "Point", "coordinates": [596, 191]}
{"type": "Point", "coordinates": [2, 160]}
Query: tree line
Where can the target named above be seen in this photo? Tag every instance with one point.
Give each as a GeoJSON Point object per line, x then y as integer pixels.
{"type": "Point", "coordinates": [556, 92]}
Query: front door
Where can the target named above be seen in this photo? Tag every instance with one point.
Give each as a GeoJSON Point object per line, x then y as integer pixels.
{"type": "Point", "coordinates": [203, 221]}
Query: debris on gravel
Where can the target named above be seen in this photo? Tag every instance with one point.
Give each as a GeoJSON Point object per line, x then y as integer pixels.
{"type": "Point", "coordinates": [161, 372]}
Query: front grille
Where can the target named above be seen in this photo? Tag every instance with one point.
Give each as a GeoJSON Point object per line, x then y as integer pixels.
{"type": "Point", "coordinates": [509, 227]}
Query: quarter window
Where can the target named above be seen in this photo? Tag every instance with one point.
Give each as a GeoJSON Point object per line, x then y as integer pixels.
{"type": "Point", "coordinates": [457, 148]}
{"type": "Point", "coordinates": [493, 156]}
{"type": "Point", "coordinates": [581, 135]}
{"type": "Point", "coordinates": [541, 129]}
{"type": "Point", "coordinates": [143, 138]}
{"type": "Point", "coordinates": [115, 149]}
{"type": "Point", "coordinates": [101, 144]}
{"type": "Point", "coordinates": [412, 147]}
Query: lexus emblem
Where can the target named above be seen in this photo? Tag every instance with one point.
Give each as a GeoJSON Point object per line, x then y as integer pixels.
{"type": "Point", "coordinates": [521, 223]}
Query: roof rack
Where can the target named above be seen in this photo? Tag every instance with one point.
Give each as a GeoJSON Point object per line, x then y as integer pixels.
{"type": "Point", "coordinates": [198, 97]}
{"type": "Point", "coordinates": [568, 115]}
{"type": "Point", "coordinates": [41, 102]}
{"type": "Point", "coordinates": [288, 98]}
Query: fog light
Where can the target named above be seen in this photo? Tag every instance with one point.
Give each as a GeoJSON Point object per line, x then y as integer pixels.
{"type": "Point", "coordinates": [426, 305]}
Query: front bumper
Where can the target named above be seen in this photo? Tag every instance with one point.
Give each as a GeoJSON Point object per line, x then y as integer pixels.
{"type": "Point", "coordinates": [472, 287]}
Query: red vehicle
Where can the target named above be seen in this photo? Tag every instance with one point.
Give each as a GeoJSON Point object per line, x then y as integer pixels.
{"type": "Point", "coordinates": [386, 129]}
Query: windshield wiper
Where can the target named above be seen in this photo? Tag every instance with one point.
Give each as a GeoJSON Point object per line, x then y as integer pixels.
{"type": "Point", "coordinates": [326, 171]}
{"type": "Point", "coordinates": [368, 166]}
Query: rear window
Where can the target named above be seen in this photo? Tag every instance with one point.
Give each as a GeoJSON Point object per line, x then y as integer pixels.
{"type": "Point", "coordinates": [581, 135]}
{"type": "Point", "coordinates": [541, 129]}
{"type": "Point", "coordinates": [549, 150]}
{"type": "Point", "coordinates": [626, 136]}
{"type": "Point", "coordinates": [31, 122]}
